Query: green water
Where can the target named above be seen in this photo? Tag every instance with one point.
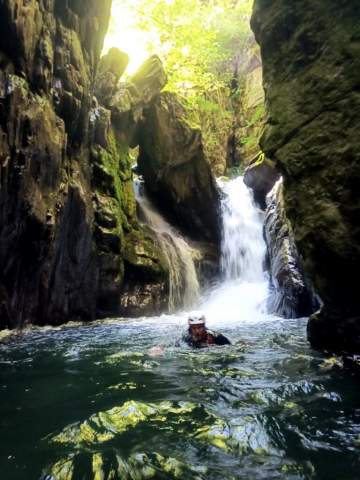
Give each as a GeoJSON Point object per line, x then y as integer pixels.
{"type": "Point", "coordinates": [89, 402]}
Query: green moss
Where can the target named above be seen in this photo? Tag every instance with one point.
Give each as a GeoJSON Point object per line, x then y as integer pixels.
{"type": "Point", "coordinates": [142, 253]}
{"type": "Point", "coordinates": [113, 179]}
{"type": "Point", "coordinates": [116, 226]}
{"type": "Point", "coordinates": [257, 116]}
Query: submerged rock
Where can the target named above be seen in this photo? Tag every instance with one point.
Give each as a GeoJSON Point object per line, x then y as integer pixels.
{"type": "Point", "coordinates": [311, 60]}
{"type": "Point", "coordinates": [175, 169]}
{"type": "Point", "coordinates": [292, 295]}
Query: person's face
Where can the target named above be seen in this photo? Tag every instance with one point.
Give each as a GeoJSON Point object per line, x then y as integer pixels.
{"type": "Point", "coordinates": [197, 332]}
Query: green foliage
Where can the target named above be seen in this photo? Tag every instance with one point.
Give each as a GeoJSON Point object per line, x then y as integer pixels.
{"type": "Point", "coordinates": [198, 42]}
{"type": "Point", "coordinates": [257, 116]}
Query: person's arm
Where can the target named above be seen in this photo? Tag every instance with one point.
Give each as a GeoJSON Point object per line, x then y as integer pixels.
{"type": "Point", "coordinates": [156, 351]}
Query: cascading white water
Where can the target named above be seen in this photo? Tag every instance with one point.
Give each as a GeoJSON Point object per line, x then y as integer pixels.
{"type": "Point", "coordinates": [241, 297]}
{"type": "Point", "coordinates": [243, 247]}
{"type": "Point", "coordinates": [184, 289]}
{"type": "Point", "coordinates": [241, 294]}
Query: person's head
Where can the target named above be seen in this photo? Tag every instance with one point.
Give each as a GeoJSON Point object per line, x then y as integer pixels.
{"type": "Point", "coordinates": [197, 328]}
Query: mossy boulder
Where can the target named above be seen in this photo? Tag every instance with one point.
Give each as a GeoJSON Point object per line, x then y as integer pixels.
{"type": "Point", "coordinates": [146, 283]}
{"type": "Point", "coordinates": [175, 169]}
{"type": "Point", "coordinates": [311, 61]}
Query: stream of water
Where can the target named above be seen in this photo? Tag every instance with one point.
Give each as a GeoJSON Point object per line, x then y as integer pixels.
{"type": "Point", "coordinates": [184, 288]}
{"type": "Point", "coordinates": [90, 402]}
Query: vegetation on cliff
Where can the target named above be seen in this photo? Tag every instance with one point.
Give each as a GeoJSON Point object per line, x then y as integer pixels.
{"type": "Point", "coordinates": [207, 50]}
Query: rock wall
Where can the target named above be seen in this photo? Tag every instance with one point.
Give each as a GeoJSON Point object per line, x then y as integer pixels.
{"type": "Point", "coordinates": [71, 246]}
{"type": "Point", "coordinates": [70, 243]}
{"type": "Point", "coordinates": [48, 56]}
{"type": "Point", "coordinates": [291, 295]}
{"type": "Point", "coordinates": [176, 171]}
{"type": "Point", "coordinates": [248, 104]}
{"type": "Point", "coordinates": [311, 61]}
{"type": "Point", "coordinates": [261, 176]}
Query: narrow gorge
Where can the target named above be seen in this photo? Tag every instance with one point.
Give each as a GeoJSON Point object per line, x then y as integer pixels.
{"type": "Point", "coordinates": [163, 161]}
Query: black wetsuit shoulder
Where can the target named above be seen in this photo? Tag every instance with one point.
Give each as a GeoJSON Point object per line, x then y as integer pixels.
{"type": "Point", "coordinates": [219, 338]}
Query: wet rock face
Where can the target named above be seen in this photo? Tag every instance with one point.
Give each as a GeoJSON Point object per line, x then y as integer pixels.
{"type": "Point", "coordinates": [71, 246]}
{"type": "Point", "coordinates": [133, 275]}
{"type": "Point", "coordinates": [310, 53]}
{"type": "Point", "coordinates": [48, 55]}
{"type": "Point", "coordinates": [261, 177]}
{"type": "Point", "coordinates": [291, 294]}
{"type": "Point", "coordinates": [175, 169]}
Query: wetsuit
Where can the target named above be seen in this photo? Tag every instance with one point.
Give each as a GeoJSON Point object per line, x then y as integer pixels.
{"type": "Point", "coordinates": [213, 338]}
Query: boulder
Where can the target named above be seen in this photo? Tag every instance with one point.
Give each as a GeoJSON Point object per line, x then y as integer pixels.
{"type": "Point", "coordinates": [175, 169]}
{"type": "Point", "coordinates": [128, 102]}
{"type": "Point", "coordinates": [261, 176]}
{"type": "Point", "coordinates": [111, 68]}
{"type": "Point", "coordinates": [328, 329]}
{"type": "Point", "coordinates": [292, 295]}
{"type": "Point", "coordinates": [311, 62]}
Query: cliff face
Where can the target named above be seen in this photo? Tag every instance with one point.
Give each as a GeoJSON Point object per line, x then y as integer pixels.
{"type": "Point", "coordinates": [248, 103]}
{"type": "Point", "coordinates": [69, 233]}
{"type": "Point", "coordinates": [311, 60]}
{"type": "Point", "coordinates": [71, 246]}
{"type": "Point", "coordinates": [48, 56]}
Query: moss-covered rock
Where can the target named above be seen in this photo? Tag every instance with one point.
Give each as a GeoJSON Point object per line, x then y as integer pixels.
{"type": "Point", "coordinates": [248, 103]}
{"type": "Point", "coordinates": [146, 284]}
{"type": "Point", "coordinates": [311, 61]}
{"type": "Point", "coordinates": [128, 258]}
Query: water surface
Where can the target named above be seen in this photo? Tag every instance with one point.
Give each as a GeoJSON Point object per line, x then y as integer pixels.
{"type": "Point", "coordinates": [93, 403]}
{"type": "Point", "coordinates": [89, 402]}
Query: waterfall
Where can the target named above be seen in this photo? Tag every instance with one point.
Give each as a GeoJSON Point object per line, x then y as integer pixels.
{"type": "Point", "coordinates": [184, 289]}
{"type": "Point", "coordinates": [243, 291]}
{"type": "Point", "coordinates": [243, 247]}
